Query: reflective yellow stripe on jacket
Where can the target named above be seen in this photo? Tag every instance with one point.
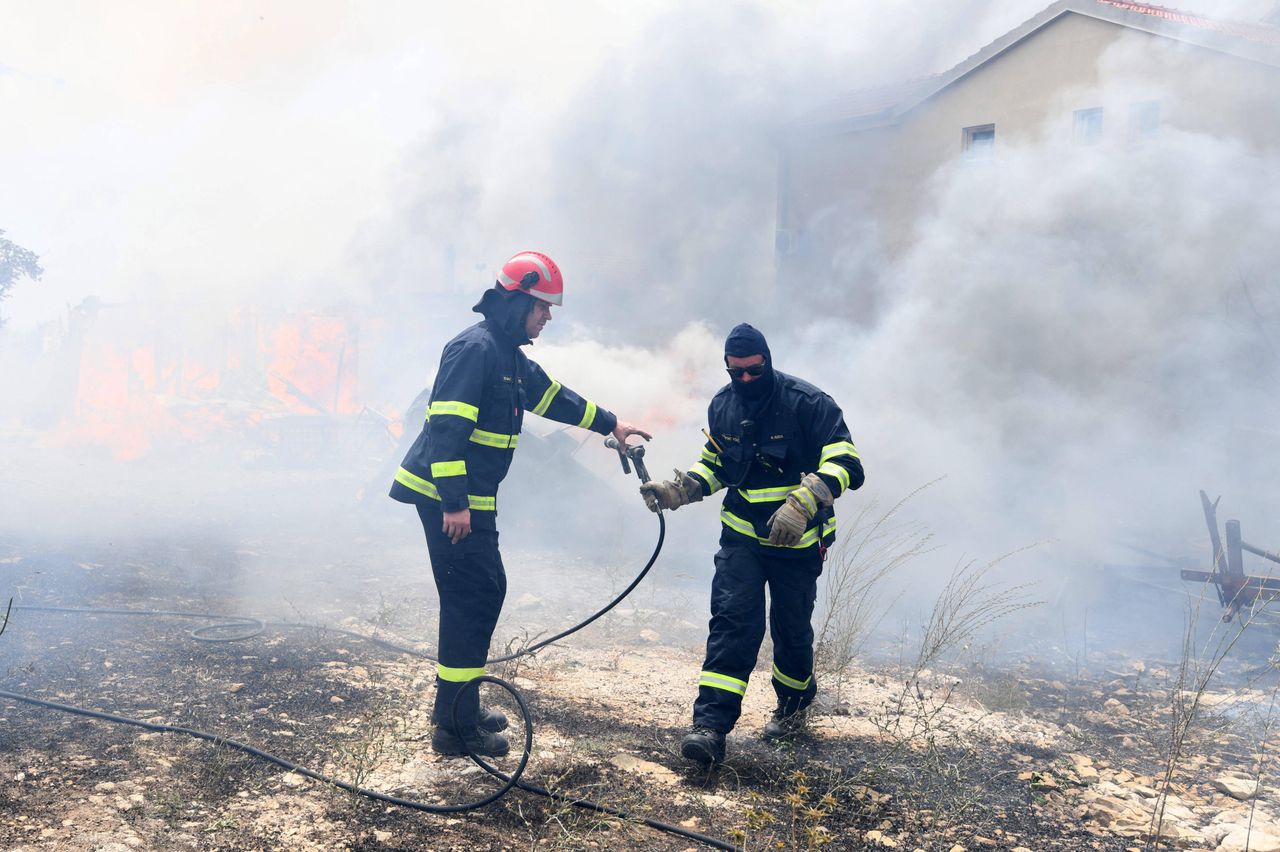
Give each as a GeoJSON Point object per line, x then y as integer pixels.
{"type": "Point", "coordinates": [837, 472]}
{"type": "Point", "coordinates": [767, 495]}
{"type": "Point", "coordinates": [702, 470]}
{"type": "Point", "coordinates": [541, 408]}
{"type": "Point", "coordinates": [827, 465]}
{"type": "Point", "coordinates": [494, 439]}
{"type": "Point", "coordinates": [810, 537]}
{"type": "Point", "coordinates": [839, 448]}
{"type": "Point", "coordinates": [449, 468]}
{"type": "Point", "coordinates": [428, 489]}
{"type": "Point", "coordinates": [458, 409]}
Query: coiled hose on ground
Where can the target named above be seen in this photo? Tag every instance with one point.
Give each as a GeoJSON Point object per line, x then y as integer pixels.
{"type": "Point", "coordinates": [235, 628]}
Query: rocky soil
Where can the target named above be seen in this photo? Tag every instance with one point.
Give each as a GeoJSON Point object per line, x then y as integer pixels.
{"type": "Point", "coordinates": [958, 757]}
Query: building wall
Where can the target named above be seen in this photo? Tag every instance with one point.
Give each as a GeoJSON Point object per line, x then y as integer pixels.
{"type": "Point", "coordinates": [849, 202]}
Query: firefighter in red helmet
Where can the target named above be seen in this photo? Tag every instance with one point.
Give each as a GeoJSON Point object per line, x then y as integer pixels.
{"type": "Point", "coordinates": [535, 274]}
{"type": "Point", "coordinates": [482, 390]}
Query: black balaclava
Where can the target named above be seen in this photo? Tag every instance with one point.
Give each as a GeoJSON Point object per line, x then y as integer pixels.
{"type": "Point", "coordinates": [743, 342]}
{"type": "Point", "coordinates": [507, 310]}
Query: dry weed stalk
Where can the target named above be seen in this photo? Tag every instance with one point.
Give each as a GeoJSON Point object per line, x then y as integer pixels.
{"type": "Point", "coordinates": [1263, 757]}
{"type": "Point", "coordinates": [380, 736]}
{"type": "Point", "coordinates": [874, 550]}
{"type": "Point", "coordinates": [916, 722]}
{"type": "Point", "coordinates": [967, 604]}
{"type": "Point", "coordinates": [515, 649]}
{"type": "Point", "coordinates": [558, 822]}
{"type": "Point", "coordinates": [1197, 667]}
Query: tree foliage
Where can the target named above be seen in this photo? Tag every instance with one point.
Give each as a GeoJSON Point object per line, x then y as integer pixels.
{"type": "Point", "coordinates": [16, 262]}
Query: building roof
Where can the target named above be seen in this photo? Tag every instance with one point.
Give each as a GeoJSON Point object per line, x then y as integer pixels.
{"type": "Point", "coordinates": [880, 105]}
{"type": "Point", "coordinates": [1260, 33]}
{"type": "Point", "coordinates": [872, 104]}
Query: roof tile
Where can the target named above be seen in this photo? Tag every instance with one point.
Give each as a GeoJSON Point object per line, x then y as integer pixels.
{"type": "Point", "coordinates": [1253, 32]}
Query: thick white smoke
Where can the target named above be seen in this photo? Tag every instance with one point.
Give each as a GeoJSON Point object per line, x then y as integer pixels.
{"type": "Point", "coordinates": [1077, 340]}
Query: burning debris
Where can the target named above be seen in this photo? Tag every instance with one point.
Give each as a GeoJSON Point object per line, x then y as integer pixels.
{"type": "Point", "coordinates": [140, 377]}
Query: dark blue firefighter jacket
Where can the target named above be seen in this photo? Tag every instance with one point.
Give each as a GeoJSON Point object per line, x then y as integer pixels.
{"type": "Point", "coordinates": [759, 459]}
{"type": "Point", "coordinates": [481, 392]}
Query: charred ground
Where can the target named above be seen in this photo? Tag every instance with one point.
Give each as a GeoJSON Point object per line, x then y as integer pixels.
{"type": "Point", "coordinates": [967, 756]}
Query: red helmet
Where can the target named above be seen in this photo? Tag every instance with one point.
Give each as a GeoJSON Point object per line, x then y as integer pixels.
{"type": "Point", "coordinates": [535, 274]}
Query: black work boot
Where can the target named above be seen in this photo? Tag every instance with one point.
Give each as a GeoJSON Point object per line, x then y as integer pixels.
{"type": "Point", "coordinates": [703, 745]}
{"type": "Point", "coordinates": [783, 726]}
{"type": "Point", "coordinates": [476, 741]}
{"type": "Point", "coordinates": [492, 720]}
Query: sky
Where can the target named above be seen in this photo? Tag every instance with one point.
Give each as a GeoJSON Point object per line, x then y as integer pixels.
{"type": "Point", "coordinates": [385, 158]}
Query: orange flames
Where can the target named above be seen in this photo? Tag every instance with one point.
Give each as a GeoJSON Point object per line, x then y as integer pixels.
{"type": "Point", "coordinates": [311, 363]}
{"type": "Point", "coordinates": [143, 382]}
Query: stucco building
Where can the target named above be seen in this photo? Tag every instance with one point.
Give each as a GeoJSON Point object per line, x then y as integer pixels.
{"type": "Point", "coordinates": [855, 177]}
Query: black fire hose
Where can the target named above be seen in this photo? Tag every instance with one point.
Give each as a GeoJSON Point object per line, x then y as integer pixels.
{"type": "Point", "coordinates": [290, 765]}
{"type": "Point", "coordinates": [248, 627]}
{"type": "Point", "coordinates": [509, 781]}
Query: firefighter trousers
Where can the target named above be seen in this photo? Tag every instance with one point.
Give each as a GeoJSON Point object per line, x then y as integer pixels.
{"type": "Point", "coordinates": [472, 585]}
{"type": "Point", "coordinates": [737, 629]}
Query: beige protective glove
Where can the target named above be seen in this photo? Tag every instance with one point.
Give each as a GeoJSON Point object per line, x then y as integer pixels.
{"type": "Point", "coordinates": [788, 523]}
{"type": "Point", "coordinates": [671, 495]}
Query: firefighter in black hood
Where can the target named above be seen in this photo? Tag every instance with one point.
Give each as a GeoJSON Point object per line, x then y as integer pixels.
{"type": "Point", "coordinates": [780, 449]}
{"type": "Point", "coordinates": [451, 474]}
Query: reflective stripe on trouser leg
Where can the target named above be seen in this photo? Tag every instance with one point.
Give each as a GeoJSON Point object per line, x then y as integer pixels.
{"type": "Point", "coordinates": [733, 639]}
{"type": "Point", "coordinates": [715, 680]}
{"type": "Point", "coordinates": [472, 584]}
{"type": "Point", "coordinates": [793, 588]}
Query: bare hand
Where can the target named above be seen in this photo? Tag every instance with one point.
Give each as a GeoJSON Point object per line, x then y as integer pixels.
{"type": "Point", "coordinates": [457, 525]}
{"type": "Point", "coordinates": [625, 430]}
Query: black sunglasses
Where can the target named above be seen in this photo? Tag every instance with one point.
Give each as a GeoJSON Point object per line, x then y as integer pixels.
{"type": "Point", "coordinates": [753, 370]}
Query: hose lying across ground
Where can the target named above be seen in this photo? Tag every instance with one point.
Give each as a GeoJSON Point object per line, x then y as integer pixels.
{"type": "Point", "coordinates": [235, 628]}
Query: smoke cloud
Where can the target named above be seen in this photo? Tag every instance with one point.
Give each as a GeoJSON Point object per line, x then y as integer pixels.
{"type": "Point", "coordinates": [1076, 340]}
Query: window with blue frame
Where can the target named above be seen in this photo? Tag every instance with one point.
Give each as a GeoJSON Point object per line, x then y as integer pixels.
{"type": "Point", "coordinates": [979, 142]}
{"type": "Point", "coordinates": [1087, 126]}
